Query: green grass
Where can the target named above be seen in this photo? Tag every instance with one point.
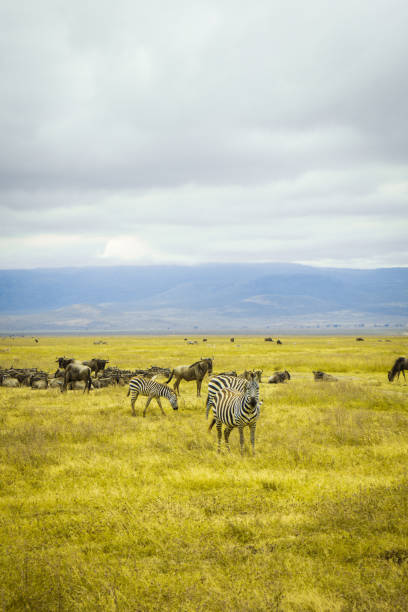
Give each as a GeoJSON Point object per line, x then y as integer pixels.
{"type": "Point", "coordinates": [102, 511]}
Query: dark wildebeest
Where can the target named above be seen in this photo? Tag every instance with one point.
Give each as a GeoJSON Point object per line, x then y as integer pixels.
{"type": "Point", "coordinates": [400, 365]}
{"type": "Point", "coordinates": [268, 339]}
{"type": "Point", "coordinates": [195, 371]}
{"type": "Point", "coordinates": [96, 365]}
{"type": "Point", "coordinates": [278, 342]}
{"type": "Point", "coordinates": [232, 339]}
{"type": "Point", "coordinates": [322, 376]}
{"type": "Point", "coordinates": [64, 361]}
{"type": "Point", "coordinates": [279, 377]}
{"type": "Point", "coordinates": [76, 371]}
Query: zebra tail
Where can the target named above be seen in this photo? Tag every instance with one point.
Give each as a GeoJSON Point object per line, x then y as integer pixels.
{"type": "Point", "coordinates": [171, 376]}
{"type": "Point", "coordinates": [208, 406]}
{"type": "Point", "coordinates": [211, 425]}
{"type": "Point", "coordinates": [128, 393]}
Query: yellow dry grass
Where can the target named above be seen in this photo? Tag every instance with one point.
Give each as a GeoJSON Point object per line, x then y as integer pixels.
{"type": "Point", "coordinates": [102, 511]}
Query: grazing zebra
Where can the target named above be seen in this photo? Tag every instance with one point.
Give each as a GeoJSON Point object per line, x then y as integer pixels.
{"type": "Point", "coordinates": [224, 381]}
{"type": "Point", "coordinates": [152, 389]}
{"type": "Point", "coordinates": [236, 409]}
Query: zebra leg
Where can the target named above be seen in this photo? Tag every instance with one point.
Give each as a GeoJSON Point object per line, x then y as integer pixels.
{"type": "Point", "coordinates": [252, 429]}
{"type": "Point", "coordinates": [241, 439]}
{"type": "Point", "coordinates": [132, 403]}
{"type": "Point", "coordinates": [219, 432]}
{"type": "Point", "coordinates": [227, 432]}
{"type": "Point", "coordinates": [161, 407]}
{"type": "Point", "coordinates": [149, 399]}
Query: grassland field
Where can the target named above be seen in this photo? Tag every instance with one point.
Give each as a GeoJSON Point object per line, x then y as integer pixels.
{"type": "Point", "coordinates": [100, 510]}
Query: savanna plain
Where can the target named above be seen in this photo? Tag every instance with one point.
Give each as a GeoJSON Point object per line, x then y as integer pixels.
{"type": "Point", "coordinates": [100, 510]}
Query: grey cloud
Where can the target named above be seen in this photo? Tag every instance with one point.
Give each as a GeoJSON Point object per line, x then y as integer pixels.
{"type": "Point", "coordinates": [119, 118]}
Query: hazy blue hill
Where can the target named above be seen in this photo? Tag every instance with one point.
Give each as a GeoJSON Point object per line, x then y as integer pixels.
{"type": "Point", "coordinates": [114, 297]}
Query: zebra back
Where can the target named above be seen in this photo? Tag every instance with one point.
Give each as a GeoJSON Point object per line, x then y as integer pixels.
{"type": "Point", "coordinates": [224, 381]}
{"type": "Point", "coordinates": [149, 387]}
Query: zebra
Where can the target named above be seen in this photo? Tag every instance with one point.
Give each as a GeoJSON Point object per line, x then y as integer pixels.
{"type": "Point", "coordinates": [236, 409]}
{"type": "Point", "coordinates": [224, 381]}
{"type": "Point", "coordinates": [152, 389]}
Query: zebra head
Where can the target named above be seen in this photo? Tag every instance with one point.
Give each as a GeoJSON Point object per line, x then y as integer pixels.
{"type": "Point", "coordinates": [252, 391]}
{"type": "Point", "coordinates": [173, 401]}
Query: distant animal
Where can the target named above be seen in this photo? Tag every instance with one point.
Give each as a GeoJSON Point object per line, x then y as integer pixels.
{"type": "Point", "coordinates": [268, 339]}
{"type": "Point", "coordinates": [232, 339]}
{"type": "Point", "coordinates": [322, 376]}
{"type": "Point", "coordinates": [278, 342]}
{"type": "Point", "coordinates": [235, 408]}
{"type": "Point", "coordinates": [76, 371]}
{"type": "Point", "coordinates": [8, 381]}
{"type": "Point", "coordinates": [359, 339]}
{"type": "Point", "coordinates": [400, 365]}
{"type": "Point", "coordinates": [196, 371]}
{"type": "Point", "coordinates": [153, 390]}
{"type": "Point", "coordinates": [248, 373]}
{"type": "Point", "coordinates": [39, 383]}
{"type": "Point", "coordinates": [96, 365]}
{"type": "Point", "coordinates": [279, 377]}
{"type": "Point", "coordinates": [224, 381]}
{"type": "Point", "coordinates": [204, 339]}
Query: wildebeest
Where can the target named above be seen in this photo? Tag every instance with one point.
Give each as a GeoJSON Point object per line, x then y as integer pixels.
{"type": "Point", "coordinates": [359, 339]}
{"type": "Point", "coordinates": [400, 365]}
{"type": "Point", "coordinates": [322, 376]}
{"type": "Point", "coordinates": [278, 342]}
{"type": "Point", "coordinates": [76, 371]}
{"type": "Point", "coordinates": [196, 371]}
{"type": "Point", "coordinates": [279, 377]}
{"type": "Point", "coordinates": [232, 339]}
{"type": "Point", "coordinates": [268, 339]}
{"type": "Point", "coordinates": [96, 365]}
{"type": "Point", "coordinates": [248, 374]}
{"type": "Point", "coordinates": [64, 361]}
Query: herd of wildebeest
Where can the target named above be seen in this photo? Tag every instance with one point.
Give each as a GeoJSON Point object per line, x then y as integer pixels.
{"type": "Point", "coordinates": [77, 375]}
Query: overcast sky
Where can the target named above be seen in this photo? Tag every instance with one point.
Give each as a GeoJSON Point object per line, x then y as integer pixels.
{"type": "Point", "coordinates": [186, 132]}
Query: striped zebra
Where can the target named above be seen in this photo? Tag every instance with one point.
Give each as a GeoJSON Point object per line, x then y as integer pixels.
{"type": "Point", "coordinates": [152, 389]}
{"type": "Point", "coordinates": [236, 408]}
{"type": "Point", "coordinates": [224, 381]}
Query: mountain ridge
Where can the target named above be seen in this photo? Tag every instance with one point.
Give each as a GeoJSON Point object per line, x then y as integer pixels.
{"type": "Point", "coordinates": [208, 296]}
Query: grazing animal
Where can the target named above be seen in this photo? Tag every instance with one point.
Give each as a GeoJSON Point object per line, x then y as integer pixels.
{"type": "Point", "coordinates": [268, 339]}
{"type": "Point", "coordinates": [279, 377]}
{"type": "Point", "coordinates": [400, 365]}
{"type": "Point", "coordinates": [96, 365]}
{"type": "Point", "coordinates": [76, 371]}
{"type": "Point", "coordinates": [322, 376]}
{"type": "Point", "coordinates": [232, 339]}
{"type": "Point", "coordinates": [236, 409]}
{"type": "Point", "coordinates": [152, 389]}
{"type": "Point", "coordinates": [195, 371]}
{"type": "Point", "coordinates": [224, 381]}
{"type": "Point", "coordinates": [278, 342]}
{"type": "Point", "coordinates": [359, 339]}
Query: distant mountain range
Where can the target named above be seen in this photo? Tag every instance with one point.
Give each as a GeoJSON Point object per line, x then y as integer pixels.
{"type": "Point", "coordinates": [205, 298]}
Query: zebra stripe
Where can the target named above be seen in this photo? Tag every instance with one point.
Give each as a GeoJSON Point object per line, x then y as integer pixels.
{"type": "Point", "coordinates": [236, 409]}
{"type": "Point", "coordinates": [152, 389]}
{"type": "Point", "coordinates": [224, 381]}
